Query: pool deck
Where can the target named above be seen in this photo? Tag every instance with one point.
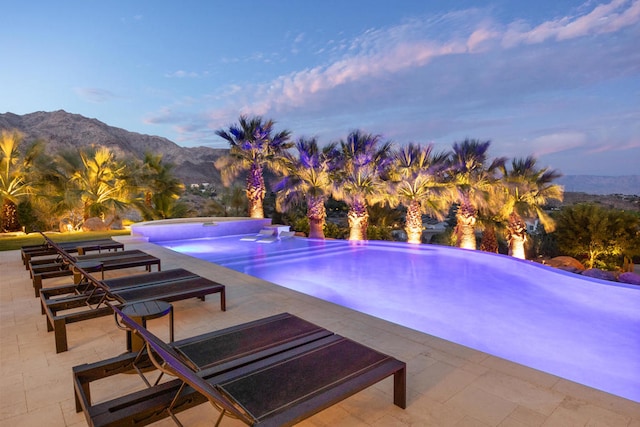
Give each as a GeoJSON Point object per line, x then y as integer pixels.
{"type": "Point", "coordinates": [448, 384]}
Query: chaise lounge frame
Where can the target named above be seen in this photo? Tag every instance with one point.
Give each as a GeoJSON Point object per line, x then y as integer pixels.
{"type": "Point", "coordinates": [171, 285]}
{"type": "Point", "coordinates": [106, 261]}
{"type": "Point", "coordinates": [81, 247]}
{"type": "Point", "coordinates": [313, 371]}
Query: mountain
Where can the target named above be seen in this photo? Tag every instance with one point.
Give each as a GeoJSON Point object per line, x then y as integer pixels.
{"type": "Point", "coordinates": [61, 131]}
{"type": "Point", "coordinates": [595, 184]}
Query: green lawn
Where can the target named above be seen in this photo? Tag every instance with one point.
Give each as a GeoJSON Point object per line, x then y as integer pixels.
{"type": "Point", "coordinates": [10, 242]}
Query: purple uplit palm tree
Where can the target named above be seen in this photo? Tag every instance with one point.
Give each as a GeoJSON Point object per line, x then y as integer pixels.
{"type": "Point", "coordinates": [360, 178]}
{"type": "Point", "coordinates": [254, 146]}
{"type": "Point", "coordinates": [308, 179]}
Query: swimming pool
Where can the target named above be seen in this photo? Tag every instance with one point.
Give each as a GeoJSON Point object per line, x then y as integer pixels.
{"type": "Point", "coordinates": [581, 329]}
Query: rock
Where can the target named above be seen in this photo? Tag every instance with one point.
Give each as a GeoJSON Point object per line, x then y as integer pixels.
{"type": "Point", "coordinates": [630, 277]}
{"type": "Point", "coordinates": [570, 269]}
{"type": "Point", "coordinates": [115, 223]}
{"type": "Point", "coordinates": [566, 263]}
{"type": "Point", "coordinates": [596, 273]}
{"type": "Point", "coordinates": [94, 224]}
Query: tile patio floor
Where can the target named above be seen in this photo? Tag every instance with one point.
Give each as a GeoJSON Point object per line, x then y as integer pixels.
{"type": "Point", "coordinates": [448, 384]}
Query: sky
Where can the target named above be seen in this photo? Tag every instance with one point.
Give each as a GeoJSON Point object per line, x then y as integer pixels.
{"type": "Point", "coordinates": [557, 79]}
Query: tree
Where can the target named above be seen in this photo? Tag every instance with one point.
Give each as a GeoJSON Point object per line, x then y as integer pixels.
{"type": "Point", "coordinates": [475, 181]}
{"type": "Point", "coordinates": [592, 233]}
{"type": "Point", "coordinates": [359, 178]}
{"type": "Point", "coordinates": [161, 188]}
{"type": "Point", "coordinates": [308, 178]}
{"type": "Point", "coordinates": [88, 183]}
{"type": "Point", "coordinates": [254, 146]}
{"type": "Point", "coordinates": [230, 197]}
{"type": "Point", "coordinates": [418, 184]}
{"type": "Point", "coordinates": [102, 181]}
{"type": "Point", "coordinates": [526, 189]}
{"type": "Point", "coordinates": [16, 181]}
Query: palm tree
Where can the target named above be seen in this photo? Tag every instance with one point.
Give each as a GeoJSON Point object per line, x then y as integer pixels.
{"type": "Point", "coordinates": [92, 181]}
{"type": "Point", "coordinates": [15, 178]}
{"type": "Point", "coordinates": [162, 189]}
{"type": "Point", "coordinates": [360, 176]}
{"type": "Point", "coordinates": [102, 182]}
{"type": "Point", "coordinates": [230, 197]}
{"type": "Point", "coordinates": [526, 189]}
{"type": "Point", "coordinates": [418, 184]}
{"type": "Point", "coordinates": [253, 147]}
{"type": "Point", "coordinates": [63, 193]}
{"type": "Point", "coordinates": [308, 178]}
{"type": "Point", "coordinates": [475, 182]}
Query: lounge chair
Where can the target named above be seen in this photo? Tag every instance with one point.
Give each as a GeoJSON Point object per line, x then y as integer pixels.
{"type": "Point", "coordinates": [272, 372]}
{"type": "Point", "coordinates": [172, 285]}
{"type": "Point", "coordinates": [65, 266]}
{"type": "Point", "coordinates": [80, 246]}
{"type": "Point", "coordinates": [88, 288]}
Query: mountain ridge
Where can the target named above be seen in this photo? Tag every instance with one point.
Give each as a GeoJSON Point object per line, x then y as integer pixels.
{"type": "Point", "coordinates": [62, 130]}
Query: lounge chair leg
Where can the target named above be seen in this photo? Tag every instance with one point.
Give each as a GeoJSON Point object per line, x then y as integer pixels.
{"type": "Point", "coordinates": [400, 388]}
{"type": "Point", "coordinates": [60, 331]}
{"type": "Point", "coordinates": [49, 325]}
{"type": "Point", "coordinates": [37, 284]}
{"type": "Point", "coordinates": [87, 392]}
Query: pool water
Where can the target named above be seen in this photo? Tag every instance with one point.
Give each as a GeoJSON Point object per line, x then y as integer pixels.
{"type": "Point", "coordinates": [581, 329]}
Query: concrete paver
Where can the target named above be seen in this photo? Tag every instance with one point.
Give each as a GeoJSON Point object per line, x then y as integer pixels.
{"type": "Point", "coordinates": [448, 384]}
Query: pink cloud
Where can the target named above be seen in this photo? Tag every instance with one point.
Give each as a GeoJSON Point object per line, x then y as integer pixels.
{"type": "Point", "coordinates": [397, 60]}
{"type": "Point", "coordinates": [380, 54]}
{"type": "Point", "coordinates": [479, 37]}
{"type": "Point", "coordinates": [557, 142]}
{"type": "Point", "coordinates": [602, 19]}
{"type": "Point", "coordinates": [630, 145]}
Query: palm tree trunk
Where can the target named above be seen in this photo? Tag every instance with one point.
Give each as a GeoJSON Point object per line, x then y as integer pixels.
{"type": "Point", "coordinates": [9, 217]}
{"type": "Point", "coordinates": [517, 236]}
{"type": "Point", "coordinates": [317, 214]}
{"type": "Point", "coordinates": [489, 241]}
{"type": "Point", "coordinates": [413, 223]}
{"type": "Point", "coordinates": [358, 221]}
{"type": "Point", "coordinates": [255, 191]}
{"type": "Point", "coordinates": [466, 230]}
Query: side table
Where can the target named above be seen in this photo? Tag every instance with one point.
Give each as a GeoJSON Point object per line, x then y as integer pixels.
{"type": "Point", "coordinates": [140, 312]}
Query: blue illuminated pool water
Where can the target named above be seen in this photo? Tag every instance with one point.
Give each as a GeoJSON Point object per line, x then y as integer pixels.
{"type": "Point", "coordinates": [585, 330]}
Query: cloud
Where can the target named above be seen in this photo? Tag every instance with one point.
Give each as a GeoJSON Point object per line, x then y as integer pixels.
{"type": "Point", "coordinates": [605, 18]}
{"type": "Point", "coordinates": [617, 146]}
{"type": "Point", "coordinates": [94, 95]}
{"type": "Point", "coordinates": [180, 74]}
{"type": "Point", "coordinates": [382, 54]}
{"type": "Point", "coordinates": [557, 143]}
{"type": "Point", "coordinates": [448, 77]}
